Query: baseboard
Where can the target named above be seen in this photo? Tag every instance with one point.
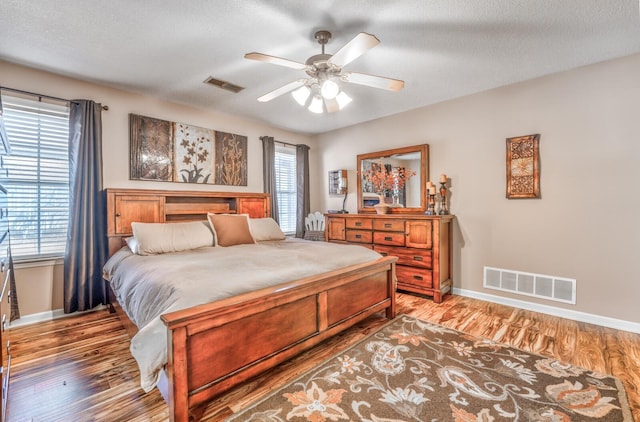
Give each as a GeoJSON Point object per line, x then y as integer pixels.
{"type": "Point", "coordinates": [618, 324]}
{"type": "Point", "coordinates": [46, 316]}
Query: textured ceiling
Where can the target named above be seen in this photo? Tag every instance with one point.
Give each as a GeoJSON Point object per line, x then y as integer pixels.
{"type": "Point", "coordinates": [442, 49]}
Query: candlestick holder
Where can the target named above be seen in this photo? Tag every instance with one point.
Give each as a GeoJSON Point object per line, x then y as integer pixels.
{"type": "Point", "coordinates": [444, 209]}
{"type": "Point", "coordinates": [431, 205]}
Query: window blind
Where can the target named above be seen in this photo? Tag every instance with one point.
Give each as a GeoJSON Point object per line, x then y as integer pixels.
{"type": "Point", "coordinates": [285, 163]}
{"type": "Point", "coordinates": [37, 177]}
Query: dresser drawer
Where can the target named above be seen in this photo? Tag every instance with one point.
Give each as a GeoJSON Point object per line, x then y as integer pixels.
{"type": "Point", "coordinates": [414, 277]}
{"type": "Point", "coordinates": [360, 236]}
{"type": "Point", "coordinates": [388, 225]}
{"type": "Point", "coordinates": [406, 256]}
{"type": "Point", "coordinates": [388, 238]}
{"type": "Point", "coordinates": [359, 223]}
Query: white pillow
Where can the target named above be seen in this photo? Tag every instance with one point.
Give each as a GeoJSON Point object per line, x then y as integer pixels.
{"type": "Point", "coordinates": [156, 238]}
{"type": "Point", "coordinates": [133, 244]}
{"type": "Point", "coordinates": [265, 229]}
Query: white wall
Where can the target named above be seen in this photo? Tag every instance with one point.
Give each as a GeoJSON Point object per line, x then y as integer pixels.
{"type": "Point", "coordinates": [40, 288]}
{"type": "Point", "coordinates": [585, 226]}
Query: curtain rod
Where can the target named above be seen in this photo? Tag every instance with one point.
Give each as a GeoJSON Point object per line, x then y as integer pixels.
{"type": "Point", "coordinates": [290, 144]}
{"type": "Point", "coordinates": [104, 107]}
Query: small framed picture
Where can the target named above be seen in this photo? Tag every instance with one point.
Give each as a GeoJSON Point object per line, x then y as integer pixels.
{"type": "Point", "coordinates": [523, 167]}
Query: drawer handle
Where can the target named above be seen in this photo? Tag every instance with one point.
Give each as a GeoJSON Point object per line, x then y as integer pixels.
{"type": "Point", "coordinates": [2, 267]}
{"type": "Point", "coordinates": [4, 322]}
{"type": "Point", "coordinates": [358, 224]}
{"type": "Point", "coordinates": [384, 254]}
{"type": "Point", "coordinates": [417, 258]}
{"type": "Point", "coordinates": [9, 297]}
{"type": "Point", "coordinates": [118, 214]}
{"type": "Point", "coordinates": [388, 238]}
{"type": "Point", "coordinates": [358, 236]}
{"type": "Point", "coordinates": [387, 225]}
{"type": "Point", "coordinates": [417, 277]}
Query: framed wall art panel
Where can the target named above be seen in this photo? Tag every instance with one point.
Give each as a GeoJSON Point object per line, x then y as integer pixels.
{"type": "Point", "coordinates": [523, 167]}
{"type": "Point", "coordinates": [178, 152]}
{"type": "Point", "coordinates": [151, 143]}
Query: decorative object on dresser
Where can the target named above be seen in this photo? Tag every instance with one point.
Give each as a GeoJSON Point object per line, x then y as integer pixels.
{"type": "Point", "coordinates": [431, 199]}
{"type": "Point", "coordinates": [178, 152]}
{"type": "Point", "coordinates": [444, 208]}
{"type": "Point", "coordinates": [396, 177]}
{"type": "Point", "coordinates": [523, 167]}
{"type": "Point", "coordinates": [338, 186]}
{"type": "Point", "coordinates": [423, 245]}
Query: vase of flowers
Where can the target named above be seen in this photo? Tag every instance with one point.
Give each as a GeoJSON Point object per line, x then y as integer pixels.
{"type": "Point", "coordinates": [385, 180]}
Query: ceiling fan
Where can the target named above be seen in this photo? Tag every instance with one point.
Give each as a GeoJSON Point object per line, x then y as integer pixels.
{"type": "Point", "coordinates": [324, 70]}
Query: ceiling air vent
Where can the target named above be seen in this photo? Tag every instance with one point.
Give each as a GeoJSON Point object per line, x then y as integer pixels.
{"type": "Point", "coordinates": [223, 84]}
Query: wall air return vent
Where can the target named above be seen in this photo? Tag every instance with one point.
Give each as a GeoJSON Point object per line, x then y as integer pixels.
{"type": "Point", "coordinates": [537, 285]}
{"type": "Point", "coordinates": [228, 86]}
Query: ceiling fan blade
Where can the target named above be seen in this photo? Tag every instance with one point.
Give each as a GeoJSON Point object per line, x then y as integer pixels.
{"type": "Point", "coordinates": [282, 90]}
{"type": "Point", "coordinates": [354, 49]}
{"type": "Point", "coordinates": [275, 60]}
{"type": "Point", "coordinates": [373, 81]}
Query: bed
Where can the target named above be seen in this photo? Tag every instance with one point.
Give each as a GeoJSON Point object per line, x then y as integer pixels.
{"type": "Point", "coordinates": [216, 343]}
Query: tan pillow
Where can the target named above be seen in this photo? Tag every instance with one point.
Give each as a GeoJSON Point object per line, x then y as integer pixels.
{"type": "Point", "coordinates": [231, 229]}
{"type": "Point", "coordinates": [265, 229]}
{"type": "Point", "coordinates": [156, 238]}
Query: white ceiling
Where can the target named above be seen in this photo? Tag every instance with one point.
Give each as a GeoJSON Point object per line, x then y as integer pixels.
{"type": "Point", "coordinates": [442, 49]}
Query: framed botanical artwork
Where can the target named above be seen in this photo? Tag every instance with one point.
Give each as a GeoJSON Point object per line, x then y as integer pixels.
{"type": "Point", "coordinates": [231, 159]}
{"type": "Point", "coordinates": [168, 151]}
{"type": "Point", "coordinates": [523, 167]}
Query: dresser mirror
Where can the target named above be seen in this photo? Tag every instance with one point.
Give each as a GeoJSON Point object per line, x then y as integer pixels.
{"type": "Point", "coordinates": [403, 196]}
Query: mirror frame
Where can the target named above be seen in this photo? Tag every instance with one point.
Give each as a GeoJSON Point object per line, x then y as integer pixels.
{"type": "Point", "coordinates": [424, 176]}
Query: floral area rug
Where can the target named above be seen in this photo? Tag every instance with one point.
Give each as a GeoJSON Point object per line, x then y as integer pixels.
{"type": "Point", "coordinates": [411, 370]}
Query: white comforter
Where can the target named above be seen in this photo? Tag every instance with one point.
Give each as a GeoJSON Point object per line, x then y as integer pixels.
{"type": "Point", "coordinates": [148, 286]}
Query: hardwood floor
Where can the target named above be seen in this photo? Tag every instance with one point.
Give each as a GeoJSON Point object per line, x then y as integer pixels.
{"type": "Point", "coordinates": [79, 368]}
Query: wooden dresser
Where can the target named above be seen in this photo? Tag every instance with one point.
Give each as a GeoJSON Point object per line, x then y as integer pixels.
{"type": "Point", "coordinates": [6, 268]}
{"type": "Point", "coordinates": [422, 244]}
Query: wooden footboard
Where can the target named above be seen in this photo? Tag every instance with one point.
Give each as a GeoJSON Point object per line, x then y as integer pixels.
{"type": "Point", "coordinates": [216, 346]}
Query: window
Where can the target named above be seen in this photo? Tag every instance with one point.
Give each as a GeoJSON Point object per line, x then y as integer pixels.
{"type": "Point", "coordinates": [37, 177]}
{"type": "Point", "coordinates": [285, 164]}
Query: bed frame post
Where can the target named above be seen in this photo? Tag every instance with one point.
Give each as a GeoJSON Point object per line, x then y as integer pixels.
{"type": "Point", "coordinates": [177, 371]}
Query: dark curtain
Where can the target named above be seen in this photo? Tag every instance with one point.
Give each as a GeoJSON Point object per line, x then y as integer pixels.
{"type": "Point", "coordinates": [87, 248]}
{"type": "Point", "coordinates": [269, 172]}
{"type": "Point", "coordinates": [302, 187]}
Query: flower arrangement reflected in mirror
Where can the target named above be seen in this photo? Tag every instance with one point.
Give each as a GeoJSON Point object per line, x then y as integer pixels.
{"type": "Point", "coordinates": [386, 181]}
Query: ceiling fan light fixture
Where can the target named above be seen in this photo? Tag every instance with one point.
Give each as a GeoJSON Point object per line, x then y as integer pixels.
{"type": "Point", "coordinates": [343, 100]}
{"type": "Point", "coordinates": [316, 104]}
{"type": "Point", "coordinates": [322, 90]}
{"type": "Point", "coordinates": [329, 89]}
{"type": "Point", "coordinates": [301, 95]}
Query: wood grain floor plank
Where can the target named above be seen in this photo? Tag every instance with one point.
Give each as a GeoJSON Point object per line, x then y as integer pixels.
{"type": "Point", "coordinates": [79, 368]}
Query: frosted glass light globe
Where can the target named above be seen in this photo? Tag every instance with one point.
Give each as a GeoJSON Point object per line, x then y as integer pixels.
{"type": "Point", "coordinates": [329, 89]}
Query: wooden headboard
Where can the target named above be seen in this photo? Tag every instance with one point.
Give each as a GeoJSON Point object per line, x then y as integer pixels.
{"type": "Point", "coordinates": [125, 206]}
